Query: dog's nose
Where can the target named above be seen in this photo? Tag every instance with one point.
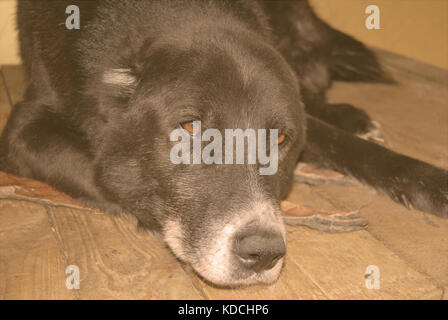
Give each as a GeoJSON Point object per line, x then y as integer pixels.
{"type": "Point", "coordinates": [259, 252]}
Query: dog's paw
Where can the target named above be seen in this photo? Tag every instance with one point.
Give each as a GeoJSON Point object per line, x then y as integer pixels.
{"type": "Point", "coordinates": [351, 119]}
{"type": "Point", "coordinates": [326, 221]}
{"type": "Point", "coordinates": [422, 187]}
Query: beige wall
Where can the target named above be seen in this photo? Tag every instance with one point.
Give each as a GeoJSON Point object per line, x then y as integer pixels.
{"type": "Point", "coordinates": [9, 52]}
{"type": "Point", "coordinates": [415, 28]}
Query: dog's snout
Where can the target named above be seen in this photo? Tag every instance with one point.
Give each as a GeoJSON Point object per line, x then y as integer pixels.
{"type": "Point", "coordinates": [259, 252]}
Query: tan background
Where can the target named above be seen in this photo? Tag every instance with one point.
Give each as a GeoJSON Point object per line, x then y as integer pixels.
{"type": "Point", "coordinates": [415, 28]}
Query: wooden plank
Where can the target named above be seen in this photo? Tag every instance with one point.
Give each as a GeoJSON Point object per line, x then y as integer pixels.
{"type": "Point", "coordinates": [411, 71]}
{"type": "Point", "coordinates": [116, 261]}
{"type": "Point", "coordinates": [16, 81]}
{"type": "Point", "coordinates": [338, 262]}
{"type": "Point", "coordinates": [420, 239]}
{"type": "Point", "coordinates": [31, 263]}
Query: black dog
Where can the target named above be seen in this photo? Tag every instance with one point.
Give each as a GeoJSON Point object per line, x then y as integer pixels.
{"type": "Point", "coordinates": [96, 119]}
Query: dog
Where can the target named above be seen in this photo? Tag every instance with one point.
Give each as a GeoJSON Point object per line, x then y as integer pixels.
{"type": "Point", "coordinates": [96, 119]}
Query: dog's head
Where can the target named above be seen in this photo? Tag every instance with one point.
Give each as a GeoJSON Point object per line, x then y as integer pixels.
{"type": "Point", "coordinates": [223, 219]}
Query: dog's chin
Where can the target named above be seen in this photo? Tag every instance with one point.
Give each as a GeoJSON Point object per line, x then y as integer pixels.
{"type": "Point", "coordinates": [234, 277]}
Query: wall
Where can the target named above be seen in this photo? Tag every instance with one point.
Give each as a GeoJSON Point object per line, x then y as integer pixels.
{"type": "Point", "coordinates": [414, 28]}
{"type": "Point", "coordinates": [9, 52]}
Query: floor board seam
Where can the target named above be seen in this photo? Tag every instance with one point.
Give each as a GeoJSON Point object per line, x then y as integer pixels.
{"type": "Point", "coordinates": [59, 243]}
{"type": "Point", "coordinates": [311, 279]}
{"type": "Point", "coordinates": [195, 283]}
{"type": "Point", "coordinates": [408, 263]}
{"type": "Point", "coordinates": [52, 227]}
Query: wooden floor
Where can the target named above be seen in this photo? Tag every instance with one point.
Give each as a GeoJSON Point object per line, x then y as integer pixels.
{"type": "Point", "coordinates": [42, 231]}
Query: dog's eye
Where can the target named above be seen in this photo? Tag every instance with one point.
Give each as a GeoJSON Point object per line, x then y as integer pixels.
{"type": "Point", "coordinates": [188, 126]}
{"type": "Point", "coordinates": [281, 139]}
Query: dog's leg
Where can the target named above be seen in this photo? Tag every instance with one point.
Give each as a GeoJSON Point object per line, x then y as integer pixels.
{"type": "Point", "coordinates": [406, 180]}
{"type": "Point", "coordinates": [38, 143]}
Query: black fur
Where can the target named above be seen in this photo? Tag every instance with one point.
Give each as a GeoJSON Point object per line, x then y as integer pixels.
{"type": "Point", "coordinates": [230, 63]}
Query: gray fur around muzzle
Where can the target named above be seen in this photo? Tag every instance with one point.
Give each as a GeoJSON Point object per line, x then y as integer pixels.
{"type": "Point", "coordinates": [246, 247]}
